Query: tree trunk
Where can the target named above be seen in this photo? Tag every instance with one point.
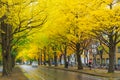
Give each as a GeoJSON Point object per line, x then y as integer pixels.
{"type": "Point", "coordinates": [78, 56]}
{"type": "Point", "coordinates": [31, 62]}
{"type": "Point", "coordinates": [111, 59]}
{"type": "Point", "coordinates": [7, 67]}
{"type": "Point", "coordinates": [55, 59]}
{"type": "Point", "coordinates": [112, 46]}
{"type": "Point", "coordinates": [55, 55]}
{"type": "Point", "coordinates": [44, 56]}
{"type": "Point", "coordinates": [61, 59]}
{"type": "Point", "coordinates": [94, 59]}
{"type": "Point", "coordinates": [79, 61]}
{"type": "Point", "coordinates": [87, 59]}
{"type": "Point", "coordinates": [41, 59]}
{"type": "Point", "coordinates": [101, 58]}
{"type": "Point", "coordinates": [115, 64]}
{"type": "Point", "coordinates": [13, 61]}
{"type": "Point", "coordinates": [65, 59]}
{"type": "Point", "coordinates": [49, 61]}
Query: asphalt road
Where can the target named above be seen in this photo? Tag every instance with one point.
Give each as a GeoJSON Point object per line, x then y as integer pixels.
{"type": "Point", "coordinates": [42, 73]}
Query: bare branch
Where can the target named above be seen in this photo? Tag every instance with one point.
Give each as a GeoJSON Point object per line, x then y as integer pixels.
{"type": "Point", "coordinates": [3, 18]}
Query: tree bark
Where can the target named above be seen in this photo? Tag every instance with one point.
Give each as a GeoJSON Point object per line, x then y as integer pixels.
{"type": "Point", "coordinates": [78, 56]}
{"type": "Point", "coordinates": [55, 58]}
{"type": "Point", "coordinates": [112, 47]}
{"type": "Point", "coordinates": [111, 59]}
{"type": "Point", "coordinates": [55, 55]}
{"type": "Point", "coordinates": [39, 61]}
{"type": "Point", "coordinates": [44, 56]}
{"type": "Point", "coordinates": [7, 67]}
{"type": "Point", "coordinates": [61, 59]}
{"type": "Point", "coordinates": [101, 59]}
{"type": "Point", "coordinates": [65, 59]}
{"type": "Point", "coordinates": [41, 58]}
{"type": "Point", "coordinates": [49, 60]}
{"type": "Point", "coordinates": [13, 61]}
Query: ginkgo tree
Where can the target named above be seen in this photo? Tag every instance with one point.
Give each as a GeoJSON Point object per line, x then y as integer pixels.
{"type": "Point", "coordinates": [80, 17]}
{"type": "Point", "coordinates": [105, 22]}
{"type": "Point", "coordinates": [19, 17]}
{"type": "Point", "coordinates": [31, 52]}
{"type": "Point", "coordinates": [73, 25]}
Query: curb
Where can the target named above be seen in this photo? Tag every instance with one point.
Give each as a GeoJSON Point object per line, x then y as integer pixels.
{"type": "Point", "coordinates": [78, 71]}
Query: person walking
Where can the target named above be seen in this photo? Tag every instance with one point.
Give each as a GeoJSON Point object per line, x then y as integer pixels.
{"type": "Point", "coordinates": [90, 63]}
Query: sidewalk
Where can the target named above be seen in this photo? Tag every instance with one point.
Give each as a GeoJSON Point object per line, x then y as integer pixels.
{"type": "Point", "coordinates": [94, 72]}
{"type": "Point", "coordinates": [17, 74]}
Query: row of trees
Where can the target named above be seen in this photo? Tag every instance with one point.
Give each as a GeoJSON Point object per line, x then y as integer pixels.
{"type": "Point", "coordinates": [68, 24]}
{"type": "Point", "coordinates": [17, 19]}
{"type": "Point", "coordinates": [82, 21]}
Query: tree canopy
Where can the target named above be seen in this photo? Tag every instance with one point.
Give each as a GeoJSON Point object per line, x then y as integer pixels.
{"type": "Point", "coordinates": [56, 25]}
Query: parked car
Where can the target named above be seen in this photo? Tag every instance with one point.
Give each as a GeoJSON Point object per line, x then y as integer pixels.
{"type": "Point", "coordinates": [34, 64]}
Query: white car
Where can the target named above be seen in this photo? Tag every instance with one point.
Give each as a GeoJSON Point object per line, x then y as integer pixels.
{"type": "Point", "coordinates": [34, 64]}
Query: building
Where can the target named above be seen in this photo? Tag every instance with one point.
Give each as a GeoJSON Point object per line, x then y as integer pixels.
{"type": "Point", "coordinates": [105, 57]}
